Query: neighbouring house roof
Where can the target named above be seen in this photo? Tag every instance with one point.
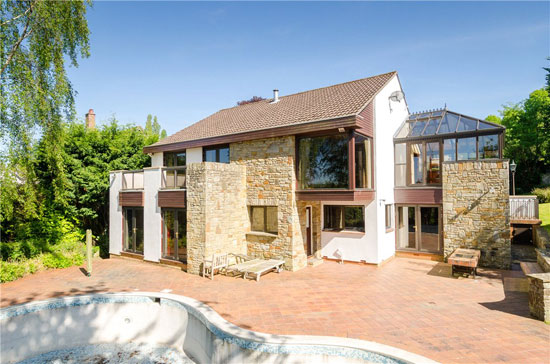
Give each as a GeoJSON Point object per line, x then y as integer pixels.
{"type": "Point", "coordinates": [332, 102]}
{"type": "Point", "coordinates": [444, 123]}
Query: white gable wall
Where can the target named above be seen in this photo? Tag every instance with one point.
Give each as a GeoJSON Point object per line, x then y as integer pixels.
{"type": "Point", "coordinates": [386, 124]}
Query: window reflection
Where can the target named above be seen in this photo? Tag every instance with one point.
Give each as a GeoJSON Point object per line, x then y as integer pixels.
{"type": "Point", "coordinates": [363, 162]}
{"type": "Point", "coordinates": [466, 149]}
{"type": "Point", "coordinates": [432, 163]}
{"type": "Point", "coordinates": [416, 160]}
{"type": "Point", "coordinates": [488, 146]}
{"type": "Point", "coordinates": [323, 162]}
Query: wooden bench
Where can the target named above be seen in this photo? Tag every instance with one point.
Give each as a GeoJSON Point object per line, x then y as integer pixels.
{"type": "Point", "coordinates": [530, 267]}
{"type": "Point", "coordinates": [464, 260]}
{"type": "Point", "coordinates": [257, 267]}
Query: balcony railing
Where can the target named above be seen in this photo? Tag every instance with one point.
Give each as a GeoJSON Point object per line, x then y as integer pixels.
{"type": "Point", "coordinates": [173, 177]}
{"type": "Point", "coordinates": [524, 208]}
{"type": "Point", "coordinates": [132, 180]}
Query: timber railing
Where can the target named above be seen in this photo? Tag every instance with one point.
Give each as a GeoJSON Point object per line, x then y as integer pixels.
{"type": "Point", "coordinates": [173, 177]}
{"type": "Point", "coordinates": [524, 208]}
{"type": "Point", "coordinates": [132, 180]}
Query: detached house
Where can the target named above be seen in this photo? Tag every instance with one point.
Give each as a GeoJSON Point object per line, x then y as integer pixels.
{"type": "Point", "coordinates": [340, 172]}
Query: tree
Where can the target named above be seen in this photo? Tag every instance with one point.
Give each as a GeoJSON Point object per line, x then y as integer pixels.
{"type": "Point", "coordinates": [547, 69]}
{"type": "Point", "coordinates": [36, 39]}
{"type": "Point", "coordinates": [152, 127]}
{"type": "Point", "coordinates": [251, 100]}
{"type": "Point", "coordinates": [528, 137]}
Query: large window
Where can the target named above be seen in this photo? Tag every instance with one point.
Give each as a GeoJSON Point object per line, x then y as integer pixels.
{"type": "Point", "coordinates": [174, 159]}
{"type": "Point", "coordinates": [449, 150]}
{"type": "Point", "coordinates": [363, 162]}
{"type": "Point", "coordinates": [219, 154]}
{"type": "Point", "coordinates": [323, 162]}
{"type": "Point", "coordinates": [264, 219]}
{"type": "Point", "coordinates": [337, 218]}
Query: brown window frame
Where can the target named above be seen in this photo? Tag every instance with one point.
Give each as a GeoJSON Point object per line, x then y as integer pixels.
{"type": "Point", "coordinates": [264, 208]}
{"type": "Point", "coordinates": [388, 218]}
{"type": "Point", "coordinates": [343, 228]}
{"type": "Point", "coordinates": [217, 149]}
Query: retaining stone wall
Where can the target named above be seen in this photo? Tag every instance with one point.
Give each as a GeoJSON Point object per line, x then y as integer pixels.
{"type": "Point", "coordinates": [476, 211]}
{"type": "Point", "coordinates": [539, 296]}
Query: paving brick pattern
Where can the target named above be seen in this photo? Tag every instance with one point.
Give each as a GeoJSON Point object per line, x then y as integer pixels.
{"type": "Point", "coordinates": [407, 303]}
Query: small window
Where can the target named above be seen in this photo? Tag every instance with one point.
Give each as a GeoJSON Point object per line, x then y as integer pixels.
{"type": "Point", "coordinates": [401, 164]}
{"type": "Point", "coordinates": [174, 159]}
{"type": "Point", "coordinates": [389, 216]}
{"type": "Point", "coordinates": [264, 219]}
{"type": "Point", "coordinates": [219, 154]}
{"type": "Point", "coordinates": [337, 218]}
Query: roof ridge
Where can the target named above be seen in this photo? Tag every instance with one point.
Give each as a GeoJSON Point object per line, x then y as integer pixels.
{"type": "Point", "coordinates": [314, 89]}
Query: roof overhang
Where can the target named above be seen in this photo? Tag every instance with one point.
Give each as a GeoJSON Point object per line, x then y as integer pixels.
{"type": "Point", "coordinates": [349, 121]}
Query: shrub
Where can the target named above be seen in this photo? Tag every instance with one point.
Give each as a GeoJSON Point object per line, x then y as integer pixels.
{"type": "Point", "coordinates": [543, 194]}
{"type": "Point", "coordinates": [11, 271]}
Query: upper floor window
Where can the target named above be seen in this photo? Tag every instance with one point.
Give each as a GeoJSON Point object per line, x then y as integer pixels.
{"type": "Point", "coordinates": [323, 161]}
{"type": "Point", "coordinates": [219, 154]}
{"type": "Point", "coordinates": [176, 159]}
{"type": "Point", "coordinates": [363, 162]}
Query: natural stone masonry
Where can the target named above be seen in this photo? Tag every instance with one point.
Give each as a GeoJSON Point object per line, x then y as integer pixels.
{"type": "Point", "coordinates": [476, 211]}
{"type": "Point", "coordinates": [217, 217]}
{"type": "Point", "coordinates": [315, 224]}
{"type": "Point", "coordinates": [271, 181]}
{"type": "Point", "coordinates": [539, 296]}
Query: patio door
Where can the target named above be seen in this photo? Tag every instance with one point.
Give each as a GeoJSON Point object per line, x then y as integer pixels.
{"type": "Point", "coordinates": [174, 244]}
{"type": "Point", "coordinates": [133, 229]}
{"type": "Point", "coordinates": [419, 228]}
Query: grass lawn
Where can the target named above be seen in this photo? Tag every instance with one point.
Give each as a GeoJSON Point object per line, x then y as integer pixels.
{"type": "Point", "coordinates": [544, 214]}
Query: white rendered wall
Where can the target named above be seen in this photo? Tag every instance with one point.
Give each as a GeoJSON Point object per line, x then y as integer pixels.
{"type": "Point", "coordinates": [157, 159]}
{"type": "Point", "coordinates": [355, 246]}
{"type": "Point", "coordinates": [386, 124]}
{"type": "Point", "coordinates": [193, 155]}
{"type": "Point", "coordinates": [115, 213]}
{"type": "Point", "coordinates": [152, 229]}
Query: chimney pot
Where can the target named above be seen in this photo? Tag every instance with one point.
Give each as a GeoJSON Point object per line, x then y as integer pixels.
{"type": "Point", "coordinates": [90, 119]}
{"type": "Point", "coordinates": [275, 95]}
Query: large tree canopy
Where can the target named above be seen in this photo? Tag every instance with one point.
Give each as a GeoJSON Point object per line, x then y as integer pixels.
{"type": "Point", "coordinates": [37, 38]}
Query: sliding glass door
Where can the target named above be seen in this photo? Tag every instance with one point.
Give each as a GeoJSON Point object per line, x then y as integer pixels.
{"type": "Point", "coordinates": [419, 228]}
{"type": "Point", "coordinates": [133, 229]}
{"type": "Point", "coordinates": [174, 245]}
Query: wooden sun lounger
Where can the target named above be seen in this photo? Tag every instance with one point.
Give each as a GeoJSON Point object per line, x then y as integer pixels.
{"type": "Point", "coordinates": [257, 267]}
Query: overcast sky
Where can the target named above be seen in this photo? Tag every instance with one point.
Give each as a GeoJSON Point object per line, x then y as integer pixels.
{"type": "Point", "coordinates": [183, 61]}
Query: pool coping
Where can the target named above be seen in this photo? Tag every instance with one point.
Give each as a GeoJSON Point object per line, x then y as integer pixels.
{"type": "Point", "coordinates": [247, 339]}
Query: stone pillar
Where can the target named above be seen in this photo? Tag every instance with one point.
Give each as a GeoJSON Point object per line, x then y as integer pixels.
{"type": "Point", "coordinates": [217, 217]}
{"type": "Point", "coordinates": [115, 213]}
{"type": "Point", "coordinates": [152, 220]}
{"type": "Point", "coordinates": [539, 296]}
{"type": "Point", "coordinates": [476, 212]}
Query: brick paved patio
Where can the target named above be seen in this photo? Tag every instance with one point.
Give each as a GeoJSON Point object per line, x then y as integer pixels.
{"type": "Point", "coordinates": [407, 303]}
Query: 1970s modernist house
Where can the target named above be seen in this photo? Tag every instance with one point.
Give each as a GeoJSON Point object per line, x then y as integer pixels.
{"type": "Point", "coordinates": [342, 172]}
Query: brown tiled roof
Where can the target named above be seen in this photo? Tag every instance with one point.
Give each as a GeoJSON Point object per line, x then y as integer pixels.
{"type": "Point", "coordinates": [325, 103]}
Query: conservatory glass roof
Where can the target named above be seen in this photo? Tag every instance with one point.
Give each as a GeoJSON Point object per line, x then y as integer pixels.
{"type": "Point", "coordinates": [442, 122]}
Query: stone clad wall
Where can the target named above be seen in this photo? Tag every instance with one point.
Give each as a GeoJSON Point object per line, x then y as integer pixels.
{"type": "Point", "coordinates": [315, 224]}
{"type": "Point", "coordinates": [217, 217]}
{"type": "Point", "coordinates": [271, 181]}
{"type": "Point", "coordinates": [476, 212]}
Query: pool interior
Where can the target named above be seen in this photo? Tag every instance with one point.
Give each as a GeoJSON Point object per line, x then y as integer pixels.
{"type": "Point", "coordinates": [130, 353]}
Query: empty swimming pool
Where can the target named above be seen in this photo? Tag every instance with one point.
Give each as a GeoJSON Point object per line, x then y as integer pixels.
{"type": "Point", "coordinates": [157, 328]}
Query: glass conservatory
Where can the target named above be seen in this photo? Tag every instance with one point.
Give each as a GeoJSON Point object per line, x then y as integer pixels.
{"type": "Point", "coordinates": [427, 139]}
